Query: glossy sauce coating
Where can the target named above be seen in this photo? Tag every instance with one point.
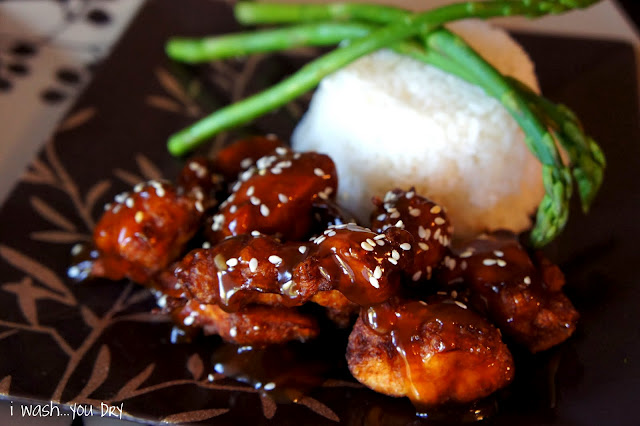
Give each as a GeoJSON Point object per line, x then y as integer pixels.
{"type": "Point", "coordinates": [523, 299]}
{"type": "Point", "coordinates": [242, 154]}
{"type": "Point", "coordinates": [363, 265]}
{"type": "Point", "coordinates": [252, 325]}
{"type": "Point", "coordinates": [424, 219]}
{"type": "Point", "coordinates": [275, 196]}
{"type": "Point", "coordinates": [199, 180]}
{"type": "Point", "coordinates": [143, 231]}
{"type": "Point", "coordinates": [434, 353]}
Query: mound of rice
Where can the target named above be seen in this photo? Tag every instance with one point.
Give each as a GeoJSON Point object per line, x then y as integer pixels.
{"type": "Point", "coordinates": [389, 121]}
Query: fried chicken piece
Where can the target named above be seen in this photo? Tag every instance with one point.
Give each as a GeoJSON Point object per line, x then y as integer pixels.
{"type": "Point", "coordinates": [362, 265]}
{"type": "Point", "coordinates": [242, 154]}
{"type": "Point", "coordinates": [424, 219]}
{"type": "Point", "coordinates": [239, 270]}
{"type": "Point", "coordinates": [199, 180]}
{"type": "Point", "coordinates": [433, 353]}
{"type": "Point", "coordinates": [275, 197]}
{"type": "Point", "coordinates": [523, 299]}
{"type": "Point", "coordinates": [340, 310]}
{"type": "Point", "coordinates": [141, 233]}
{"type": "Point", "coordinates": [252, 325]}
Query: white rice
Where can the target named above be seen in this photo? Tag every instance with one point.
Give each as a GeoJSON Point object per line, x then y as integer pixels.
{"type": "Point", "coordinates": [389, 121]}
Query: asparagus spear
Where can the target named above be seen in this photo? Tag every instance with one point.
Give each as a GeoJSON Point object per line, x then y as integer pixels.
{"type": "Point", "coordinates": [310, 75]}
{"type": "Point", "coordinates": [207, 49]}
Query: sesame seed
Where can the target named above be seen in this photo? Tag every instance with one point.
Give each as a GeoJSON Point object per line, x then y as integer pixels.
{"type": "Point", "coordinates": [382, 217]}
{"type": "Point", "coordinates": [379, 237]}
{"type": "Point", "coordinates": [246, 162]}
{"type": "Point", "coordinates": [220, 263]}
{"type": "Point", "coordinates": [76, 249]}
{"type": "Point", "coordinates": [498, 253]}
{"type": "Point", "coordinates": [371, 242]}
{"type": "Point", "coordinates": [489, 262]}
{"type": "Point", "coordinates": [392, 260]}
{"type": "Point", "coordinates": [414, 212]}
{"type": "Point", "coordinates": [276, 260]}
{"type": "Point", "coordinates": [399, 224]}
{"type": "Point", "coordinates": [236, 186]}
{"type": "Point", "coordinates": [139, 216]}
{"type": "Point", "coordinates": [276, 170]}
{"type": "Point", "coordinates": [405, 246]}
{"type": "Point", "coordinates": [138, 187]}
{"type": "Point", "coordinates": [423, 246]}
{"type": "Point", "coordinates": [269, 386]}
{"type": "Point", "coordinates": [232, 262]}
{"type": "Point", "coordinates": [463, 265]}
{"type": "Point", "coordinates": [129, 202]}
{"type": "Point", "coordinates": [255, 201]}
{"type": "Point", "coordinates": [73, 271]}
{"type": "Point", "coordinates": [435, 209]}
{"type": "Point", "coordinates": [116, 209]}
{"type": "Point", "coordinates": [323, 196]}
{"type": "Point", "coordinates": [199, 206]}
{"type": "Point", "coordinates": [107, 206]}
{"type": "Point", "coordinates": [395, 215]}
{"type": "Point", "coordinates": [366, 246]}
{"type": "Point", "coordinates": [283, 198]}
{"type": "Point", "coordinates": [374, 282]}
{"type": "Point", "coordinates": [466, 254]}
{"type": "Point", "coordinates": [255, 233]}
{"type": "Point", "coordinates": [377, 273]}
{"type": "Point", "coordinates": [416, 276]}
{"type": "Point", "coordinates": [527, 280]}
{"type": "Point", "coordinates": [289, 289]}
{"type": "Point", "coordinates": [162, 301]}
{"type": "Point", "coordinates": [459, 303]}
{"type": "Point", "coordinates": [188, 320]}
{"type": "Point", "coordinates": [160, 191]}
{"type": "Point", "coordinates": [210, 377]}
{"type": "Point", "coordinates": [233, 209]}
{"type": "Point", "coordinates": [253, 264]}
{"type": "Point", "coordinates": [320, 239]}
{"type": "Point", "coordinates": [250, 191]}
{"type": "Point", "coordinates": [438, 220]}
{"type": "Point", "coordinates": [436, 235]}
{"type": "Point", "coordinates": [233, 332]}
{"type": "Point", "coordinates": [302, 249]}
{"type": "Point", "coordinates": [422, 233]}
{"type": "Point", "coordinates": [409, 195]}
{"type": "Point", "coordinates": [206, 245]}
{"type": "Point", "coordinates": [281, 151]}
{"type": "Point", "coordinates": [395, 254]}
{"type": "Point", "coordinates": [264, 210]}
{"type": "Point", "coordinates": [501, 263]}
{"type": "Point", "coordinates": [318, 172]}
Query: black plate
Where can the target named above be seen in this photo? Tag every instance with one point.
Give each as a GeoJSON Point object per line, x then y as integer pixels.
{"type": "Point", "coordinates": [96, 342]}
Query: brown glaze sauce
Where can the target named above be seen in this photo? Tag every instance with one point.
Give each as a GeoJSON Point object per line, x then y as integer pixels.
{"type": "Point", "coordinates": [420, 332]}
{"type": "Point", "coordinates": [282, 195]}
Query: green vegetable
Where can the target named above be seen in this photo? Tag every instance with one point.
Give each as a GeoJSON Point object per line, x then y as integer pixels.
{"type": "Point", "coordinates": [370, 27]}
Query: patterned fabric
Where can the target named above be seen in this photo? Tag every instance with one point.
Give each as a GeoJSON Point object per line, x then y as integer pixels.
{"type": "Point", "coordinates": [49, 50]}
